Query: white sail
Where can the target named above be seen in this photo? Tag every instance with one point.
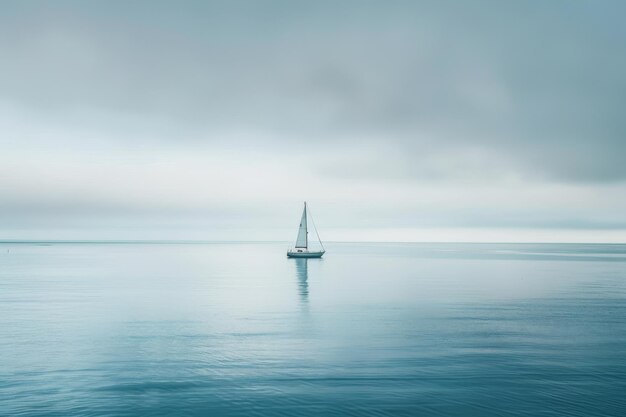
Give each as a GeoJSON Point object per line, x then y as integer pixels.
{"type": "Point", "coordinates": [302, 241]}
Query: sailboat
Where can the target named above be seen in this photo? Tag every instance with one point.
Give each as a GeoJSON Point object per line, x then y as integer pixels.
{"type": "Point", "coordinates": [301, 249]}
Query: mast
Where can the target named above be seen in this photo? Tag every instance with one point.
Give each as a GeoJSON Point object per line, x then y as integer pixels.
{"type": "Point", "coordinates": [302, 241]}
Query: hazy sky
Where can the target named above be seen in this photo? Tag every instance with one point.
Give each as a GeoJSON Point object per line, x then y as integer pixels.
{"type": "Point", "coordinates": [396, 120]}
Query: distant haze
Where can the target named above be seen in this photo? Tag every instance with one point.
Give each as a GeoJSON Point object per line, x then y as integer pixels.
{"type": "Point", "coordinates": [396, 120]}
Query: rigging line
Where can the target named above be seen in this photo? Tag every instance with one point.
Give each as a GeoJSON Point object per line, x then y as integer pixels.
{"type": "Point", "coordinates": [315, 227]}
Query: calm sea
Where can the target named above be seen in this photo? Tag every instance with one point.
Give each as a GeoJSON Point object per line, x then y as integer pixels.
{"type": "Point", "coordinates": [236, 329]}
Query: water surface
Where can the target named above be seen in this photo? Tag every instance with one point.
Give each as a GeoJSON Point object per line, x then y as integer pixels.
{"type": "Point", "coordinates": [93, 329]}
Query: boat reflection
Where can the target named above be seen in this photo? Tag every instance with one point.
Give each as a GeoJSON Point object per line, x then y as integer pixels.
{"type": "Point", "coordinates": [302, 272]}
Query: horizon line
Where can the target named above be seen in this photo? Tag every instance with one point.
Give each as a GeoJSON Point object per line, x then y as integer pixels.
{"type": "Point", "coordinates": [194, 241]}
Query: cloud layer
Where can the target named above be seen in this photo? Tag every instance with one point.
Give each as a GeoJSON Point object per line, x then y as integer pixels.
{"type": "Point", "coordinates": [402, 114]}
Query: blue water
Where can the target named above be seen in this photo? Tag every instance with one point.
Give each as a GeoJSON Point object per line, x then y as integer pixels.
{"type": "Point", "coordinates": [94, 329]}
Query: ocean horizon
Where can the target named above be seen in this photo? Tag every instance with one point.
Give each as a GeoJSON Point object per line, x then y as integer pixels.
{"type": "Point", "coordinates": [164, 166]}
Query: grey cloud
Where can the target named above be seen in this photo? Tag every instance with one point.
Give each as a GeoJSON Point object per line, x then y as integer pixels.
{"type": "Point", "coordinates": [535, 84]}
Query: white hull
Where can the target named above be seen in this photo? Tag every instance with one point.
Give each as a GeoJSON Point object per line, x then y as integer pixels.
{"type": "Point", "coordinates": [303, 253]}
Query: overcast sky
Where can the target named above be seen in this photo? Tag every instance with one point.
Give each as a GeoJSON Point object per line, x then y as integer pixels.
{"type": "Point", "coordinates": [416, 120]}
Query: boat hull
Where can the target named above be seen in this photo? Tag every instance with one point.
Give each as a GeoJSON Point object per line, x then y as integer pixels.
{"type": "Point", "coordinates": [306, 254]}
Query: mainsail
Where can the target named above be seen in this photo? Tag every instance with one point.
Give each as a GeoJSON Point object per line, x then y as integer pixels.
{"type": "Point", "coordinates": [302, 241]}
